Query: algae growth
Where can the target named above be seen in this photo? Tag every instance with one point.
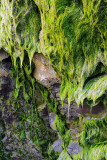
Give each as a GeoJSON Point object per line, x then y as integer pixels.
{"type": "Point", "coordinates": [73, 35]}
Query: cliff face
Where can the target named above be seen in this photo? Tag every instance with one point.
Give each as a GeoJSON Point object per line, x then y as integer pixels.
{"type": "Point", "coordinates": [57, 54]}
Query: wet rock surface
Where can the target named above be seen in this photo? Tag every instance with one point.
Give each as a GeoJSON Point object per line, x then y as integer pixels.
{"type": "Point", "coordinates": [52, 117]}
{"type": "Point", "coordinates": [6, 81]}
{"type": "Point", "coordinates": [70, 112]}
{"type": "Point", "coordinates": [45, 74]}
{"type": "Point", "coordinates": [85, 109]}
{"type": "Point", "coordinates": [73, 113]}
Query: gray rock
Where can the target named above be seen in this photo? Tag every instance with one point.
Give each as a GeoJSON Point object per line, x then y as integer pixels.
{"type": "Point", "coordinates": [1, 129]}
{"type": "Point", "coordinates": [52, 117]}
{"type": "Point", "coordinates": [74, 148]}
{"type": "Point", "coordinates": [57, 146]}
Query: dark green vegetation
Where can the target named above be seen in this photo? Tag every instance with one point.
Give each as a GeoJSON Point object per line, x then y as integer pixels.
{"type": "Point", "coordinates": [74, 38]}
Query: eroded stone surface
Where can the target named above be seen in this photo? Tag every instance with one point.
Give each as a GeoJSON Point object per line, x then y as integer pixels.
{"type": "Point", "coordinates": [74, 111]}
{"type": "Point", "coordinates": [72, 149]}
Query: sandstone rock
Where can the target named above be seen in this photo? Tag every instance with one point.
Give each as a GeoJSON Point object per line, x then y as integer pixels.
{"type": "Point", "coordinates": [44, 71]}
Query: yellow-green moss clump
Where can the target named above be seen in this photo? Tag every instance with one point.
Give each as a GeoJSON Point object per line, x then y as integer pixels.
{"type": "Point", "coordinates": [19, 28]}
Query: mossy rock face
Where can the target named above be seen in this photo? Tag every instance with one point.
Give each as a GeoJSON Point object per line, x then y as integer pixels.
{"type": "Point", "coordinates": [64, 156]}
{"type": "Point", "coordinates": [73, 36]}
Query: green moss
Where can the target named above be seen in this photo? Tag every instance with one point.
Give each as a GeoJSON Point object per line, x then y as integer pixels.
{"type": "Point", "coordinates": [52, 155]}
{"type": "Point", "coordinates": [4, 153]}
{"type": "Point", "coordinates": [76, 122]}
{"type": "Point", "coordinates": [95, 132]}
{"type": "Point", "coordinates": [64, 156]}
{"type": "Point", "coordinates": [99, 152]}
{"type": "Point", "coordinates": [93, 140]}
